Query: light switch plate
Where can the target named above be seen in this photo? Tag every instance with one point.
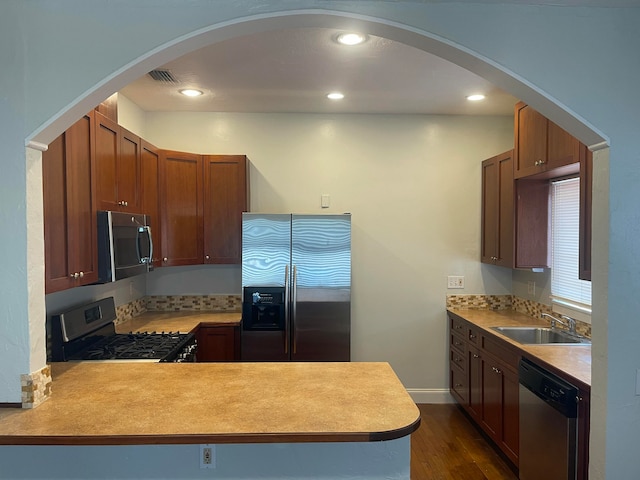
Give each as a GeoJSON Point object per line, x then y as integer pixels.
{"type": "Point", "coordinates": [325, 200]}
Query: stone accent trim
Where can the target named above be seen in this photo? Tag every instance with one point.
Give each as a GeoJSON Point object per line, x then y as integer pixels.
{"type": "Point", "coordinates": [211, 303]}
{"type": "Point", "coordinates": [36, 387]}
{"type": "Point", "coordinates": [502, 302]}
{"type": "Point", "coordinates": [129, 310]}
{"type": "Point", "coordinates": [491, 302]}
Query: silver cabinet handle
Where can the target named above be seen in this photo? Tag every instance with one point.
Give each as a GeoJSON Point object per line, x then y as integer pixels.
{"type": "Point", "coordinates": [472, 336]}
{"type": "Point", "coordinates": [476, 356]}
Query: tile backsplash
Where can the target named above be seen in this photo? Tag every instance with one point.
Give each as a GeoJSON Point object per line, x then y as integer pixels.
{"type": "Point", "coordinates": [503, 302]}
{"type": "Point", "coordinates": [177, 303]}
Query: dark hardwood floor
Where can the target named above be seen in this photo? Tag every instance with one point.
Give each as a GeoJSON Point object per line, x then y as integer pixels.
{"type": "Point", "coordinates": [447, 446]}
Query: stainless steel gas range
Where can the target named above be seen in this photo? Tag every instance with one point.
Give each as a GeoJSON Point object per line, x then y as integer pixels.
{"type": "Point", "coordinates": [88, 333]}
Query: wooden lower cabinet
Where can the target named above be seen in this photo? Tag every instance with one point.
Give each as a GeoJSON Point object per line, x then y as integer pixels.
{"type": "Point", "coordinates": [487, 386]}
{"type": "Point", "coordinates": [218, 343]}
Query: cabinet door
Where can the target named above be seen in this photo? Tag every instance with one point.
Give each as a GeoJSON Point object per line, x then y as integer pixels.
{"type": "Point", "coordinates": [586, 186]}
{"type": "Point", "coordinates": [510, 414]}
{"type": "Point", "coordinates": [530, 152]}
{"type": "Point", "coordinates": [492, 398]}
{"type": "Point", "coordinates": [69, 208]}
{"type": "Point", "coordinates": [490, 211]}
{"type": "Point", "coordinates": [532, 223]}
{"type": "Point", "coordinates": [128, 172]}
{"type": "Point", "coordinates": [181, 208]}
{"type": "Point", "coordinates": [218, 343]}
{"type": "Point", "coordinates": [497, 210]}
{"type": "Point", "coordinates": [225, 198]}
{"type": "Point", "coordinates": [562, 148]}
{"type": "Point", "coordinates": [107, 153]}
{"type": "Point", "coordinates": [149, 165]}
{"type": "Point", "coordinates": [475, 383]}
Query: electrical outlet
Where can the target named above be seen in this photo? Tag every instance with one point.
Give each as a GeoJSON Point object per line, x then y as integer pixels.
{"type": "Point", "coordinates": [455, 281]}
{"type": "Point", "coordinates": [531, 288]}
{"type": "Point", "coordinates": [207, 456]}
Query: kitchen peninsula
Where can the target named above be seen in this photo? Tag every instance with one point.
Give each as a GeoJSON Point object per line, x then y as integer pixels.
{"type": "Point", "coordinates": [322, 411]}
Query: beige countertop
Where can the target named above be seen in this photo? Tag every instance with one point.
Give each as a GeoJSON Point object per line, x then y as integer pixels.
{"type": "Point", "coordinates": [127, 403]}
{"type": "Point", "coordinates": [572, 361]}
{"type": "Point", "coordinates": [183, 321]}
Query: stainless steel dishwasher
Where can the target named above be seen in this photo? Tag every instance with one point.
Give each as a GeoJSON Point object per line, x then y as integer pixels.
{"type": "Point", "coordinates": [548, 425]}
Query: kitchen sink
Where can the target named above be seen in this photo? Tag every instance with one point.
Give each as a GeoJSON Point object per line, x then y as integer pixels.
{"type": "Point", "coordinates": [541, 336]}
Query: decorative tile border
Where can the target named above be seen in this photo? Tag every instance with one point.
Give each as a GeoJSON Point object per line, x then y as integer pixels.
{"type": "Point", "coordinates": [130, 310]}
{"type": "Point", "coordinates": [491, 302]}
{"type": "Point", "coordinates": [212, 303]}
{"type": "Point", "coordinates": [36, 387]}
{"type": "Point", "coordinates": [502, 302]}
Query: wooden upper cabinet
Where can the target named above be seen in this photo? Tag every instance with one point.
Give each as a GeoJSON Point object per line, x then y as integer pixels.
{"type": "Point", "coordinates": [118, 167]}
{"type": "Point", "coordinates": [107, 153]}
{"type": "Point", "coordinates": [128, 178]}
{"type": "Point", "coordinates": [181, 200]}
{"type": "Point", "coordinates": [498, 210]}
{"type": "Point", "coordinates": [225, 198]}
{"type": "Point", "coordinates": [150, 205]}
{"type": "Point", "coordinates": [69, 208]}
{"type": "Point", "coordinates": [541, 146]}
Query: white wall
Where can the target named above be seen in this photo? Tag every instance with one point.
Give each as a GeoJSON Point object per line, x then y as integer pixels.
{"type": "Point", "coordinates": [412, 184]}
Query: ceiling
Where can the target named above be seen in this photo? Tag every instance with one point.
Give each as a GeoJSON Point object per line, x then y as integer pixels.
{"type": "Point", "coordinates": [291, 71]}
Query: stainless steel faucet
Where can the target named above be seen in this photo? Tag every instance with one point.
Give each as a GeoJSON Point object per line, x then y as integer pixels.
{"type": "Point", "coordinates": [567, 321]}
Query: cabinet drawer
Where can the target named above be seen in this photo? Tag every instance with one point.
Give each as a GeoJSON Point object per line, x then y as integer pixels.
{"type": "Point", "coordinates": [458, 359]}
{"type": "Point", "coordinates": [458, 343]}
{"type": "Point", "coordinates": [458, 326]}
{"type": "Point", "coordinates": [459, 385]}
{"type": "Point", "coordinates": [509, 357]}
{"type": "Point", "coordinates": [473, 336]}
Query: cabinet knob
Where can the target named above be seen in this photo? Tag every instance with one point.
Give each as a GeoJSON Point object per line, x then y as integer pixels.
{"type": "Point", "coordinates": [165, 259]}
{"type": "Point", "coordinates": [206, 257]}
{"type": "Point", "coordinates": [126, 204]}
{"type": "Point", "coordinates": [476, 355]}
{"type": "Point", "coordinates": [472, 336]}
{"type": "Point", "coordinates": [81, 274]}
{"type": "Point", "coordinates": [457, 385]}
{"type": "Point", "coordinates": [74, 275]}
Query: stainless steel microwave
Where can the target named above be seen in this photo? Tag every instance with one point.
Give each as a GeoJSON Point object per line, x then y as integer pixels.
{"type": "Point", "coordinates": [125, 245]}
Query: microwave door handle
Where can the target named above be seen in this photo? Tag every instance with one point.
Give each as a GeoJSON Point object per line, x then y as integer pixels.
{"type": "Point", "coordinates": [140, 231]}
{"type": "Point", "coordinates": [150, 258]}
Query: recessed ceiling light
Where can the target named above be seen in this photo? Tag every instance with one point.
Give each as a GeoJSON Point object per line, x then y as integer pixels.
{"type": "Point", "coordinates": [475, 98]}
{"type": "Point", "coordinates": [335, 96]}
{"type": "Point", "coordinates": [191, 92]}
{"type": "Point", "coordinates": [351, 39]}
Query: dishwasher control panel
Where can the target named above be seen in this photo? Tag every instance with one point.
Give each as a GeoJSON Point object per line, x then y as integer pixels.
{"type": "Point", "coordinates": [554, 390]}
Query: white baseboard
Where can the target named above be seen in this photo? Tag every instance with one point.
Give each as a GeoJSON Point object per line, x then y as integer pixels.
{"type": "Point", "coordinates": [430, 395]}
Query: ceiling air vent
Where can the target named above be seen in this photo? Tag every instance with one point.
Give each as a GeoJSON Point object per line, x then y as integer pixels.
{"type": "Point", "coordinates": [164, 76]}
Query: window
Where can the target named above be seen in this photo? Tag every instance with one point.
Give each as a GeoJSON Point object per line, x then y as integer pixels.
{"type": "Point", "coordinates": [569, 294]}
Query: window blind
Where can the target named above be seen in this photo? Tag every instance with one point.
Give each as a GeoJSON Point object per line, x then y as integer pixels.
{"type": "Point", "coordinates": [566, 287]}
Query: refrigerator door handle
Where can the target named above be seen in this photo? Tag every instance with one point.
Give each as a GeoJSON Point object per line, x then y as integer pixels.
{"type": "Point", "coordinates": [287, 319]}
{"type": "Point", "coordinates": [295, 305]}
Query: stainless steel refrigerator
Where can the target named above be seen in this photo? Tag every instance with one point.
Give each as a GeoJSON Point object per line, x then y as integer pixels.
{"type": "Point", "coordinates": [296, 279]}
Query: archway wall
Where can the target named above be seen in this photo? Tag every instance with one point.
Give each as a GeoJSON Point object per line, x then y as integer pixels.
{"type": "Point", "coordinates": [579, 64]}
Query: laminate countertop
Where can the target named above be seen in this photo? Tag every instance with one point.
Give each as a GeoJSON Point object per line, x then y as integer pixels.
{"type": "Point", "coordinates": [572, 362]}
{"type": "Point", "coordinates": [183, 321]}
{"type": "Point", "coordinates": [130, 403]}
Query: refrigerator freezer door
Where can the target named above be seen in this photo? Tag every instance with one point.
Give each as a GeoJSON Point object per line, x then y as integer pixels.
{"type": "Point", "coordinates": [321, 287]}
{"type": "Point", "coordinates": [266, 249]}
